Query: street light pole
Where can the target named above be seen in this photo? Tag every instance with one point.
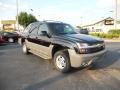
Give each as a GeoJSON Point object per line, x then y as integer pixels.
{"type": "Point", "coordinates": [39, 17]}
{"type": "Point", "coordinates": [81, 18]}
{"type": "Point", "coordinates": [31, 11]}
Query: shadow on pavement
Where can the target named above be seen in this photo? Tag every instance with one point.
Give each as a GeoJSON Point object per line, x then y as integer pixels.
{"type": "Point", "coordinates": [7, 46]}
{"type": "Point", "coordinates": [52, 80]}
{"type": "Point", "coordinates": [109, 59]}
{"type": "Point", "coordinates": [3, 44]}
{"type": "Point", "coordinates": [1, 53]}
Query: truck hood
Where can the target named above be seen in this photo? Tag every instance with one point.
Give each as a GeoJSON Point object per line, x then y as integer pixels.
{"type": "Point", "coordinates": [80, 38]}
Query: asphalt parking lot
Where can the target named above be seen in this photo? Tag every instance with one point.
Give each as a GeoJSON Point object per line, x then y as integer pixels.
{"type": "Point", "coordinates": [30, 72]}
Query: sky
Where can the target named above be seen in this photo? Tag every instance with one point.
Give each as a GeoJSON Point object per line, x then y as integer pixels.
{"type": "Point", "coordinates": [75, 12]}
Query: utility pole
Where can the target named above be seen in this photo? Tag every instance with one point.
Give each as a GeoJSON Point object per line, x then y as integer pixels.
{"type": "Point", "coordinates": [116, 9]}
{"type": "Point", "coordinates": [17, 8]}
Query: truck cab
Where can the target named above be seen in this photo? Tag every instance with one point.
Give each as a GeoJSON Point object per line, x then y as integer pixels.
{"type": "Point", "coordinates": [58, 41]}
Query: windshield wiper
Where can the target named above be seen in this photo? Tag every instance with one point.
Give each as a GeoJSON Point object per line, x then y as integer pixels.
{"type": "Point", "coordinates": [62, 33]}
{"type": "Point", "coordinates": [67, 33]}
{"type": "Point", "coordinates": [72, 33]}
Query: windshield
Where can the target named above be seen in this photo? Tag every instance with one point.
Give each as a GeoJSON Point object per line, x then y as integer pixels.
{"type": "Point", "coordinates": [61, 28]}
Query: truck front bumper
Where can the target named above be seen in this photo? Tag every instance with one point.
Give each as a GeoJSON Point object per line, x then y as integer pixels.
{"type": "Point", "coordinates": [79, 60]}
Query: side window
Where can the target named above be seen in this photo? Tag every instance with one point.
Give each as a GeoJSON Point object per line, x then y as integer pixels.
{"type": "Point", "coordinates": [43, 27]}
{"type": "Point", "coordinates": [34, 31]}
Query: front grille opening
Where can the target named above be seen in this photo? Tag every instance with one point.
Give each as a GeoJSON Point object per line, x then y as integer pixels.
{"type": "Point", "coordinates": [96, 49]}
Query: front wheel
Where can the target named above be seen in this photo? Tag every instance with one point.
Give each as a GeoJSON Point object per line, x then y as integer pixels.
{"type": "Point", "coordinates": [61, 61]}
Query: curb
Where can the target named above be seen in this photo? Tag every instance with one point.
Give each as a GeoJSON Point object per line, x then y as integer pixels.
{"type": "Point", "coordinates": [111, 40]}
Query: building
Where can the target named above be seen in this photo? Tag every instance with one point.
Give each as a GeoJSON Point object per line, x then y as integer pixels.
{"type": "Point", "coordinates": [8, 25]}
{"type": "Point", "coordinates": [102, 26]}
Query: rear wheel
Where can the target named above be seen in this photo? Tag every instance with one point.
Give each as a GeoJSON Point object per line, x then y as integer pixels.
{"type": "Point", "coordinates": [24, 48]}
{"type": "Point", "coordinates": [61, 61]}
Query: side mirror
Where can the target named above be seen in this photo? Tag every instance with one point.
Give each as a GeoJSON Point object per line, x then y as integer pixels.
{"type": "Point", "coordinates": [44, 33]}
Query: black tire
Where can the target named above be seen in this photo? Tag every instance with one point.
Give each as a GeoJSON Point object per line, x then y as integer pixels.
{"type": "Point", "coordinates": [24, 48]}
{"type": "Point", "coordinates": [62, 54]}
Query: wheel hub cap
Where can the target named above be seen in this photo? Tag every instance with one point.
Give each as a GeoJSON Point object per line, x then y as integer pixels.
{"type": "Point", "coordinates": [60, 61]}
{"type": "Point", "coordinates": [10, 40]}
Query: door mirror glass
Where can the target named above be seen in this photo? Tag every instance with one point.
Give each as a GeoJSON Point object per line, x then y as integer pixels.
{"type": "Point", "coordinates": [44, 33]}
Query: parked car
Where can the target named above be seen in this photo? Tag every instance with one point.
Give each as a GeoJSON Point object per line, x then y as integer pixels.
{"type": "Point", "coordinates": [1, 39]}
{"type": "Point", "coordinates": [57, 41]}
{"type": "Point", "coordinates": [10, 36]}
{"type": "Point", "coordinates": [84, 31]}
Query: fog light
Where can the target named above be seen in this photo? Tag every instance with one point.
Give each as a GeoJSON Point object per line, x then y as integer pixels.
{"type": "Point", "coordinates": [84, 64]}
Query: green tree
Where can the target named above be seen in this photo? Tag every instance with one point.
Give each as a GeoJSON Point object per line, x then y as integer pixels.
{"type": "Point", "coordinates": [25, 19]}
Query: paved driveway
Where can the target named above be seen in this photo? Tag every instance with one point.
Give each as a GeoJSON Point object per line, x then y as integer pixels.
{"type": "Point", "coordinates": [29, 72]}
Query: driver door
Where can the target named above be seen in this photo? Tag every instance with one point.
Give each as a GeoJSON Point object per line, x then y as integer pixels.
{"type": "Point", "coordinates": [44, 46]}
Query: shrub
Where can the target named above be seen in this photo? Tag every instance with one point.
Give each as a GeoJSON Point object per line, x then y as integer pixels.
{"type": "Point", "coordinates": [110, 36]}
{"type": "Point", "coordinates": [114, 31]}
{"type": "Point", "coordinates": [104, 35]}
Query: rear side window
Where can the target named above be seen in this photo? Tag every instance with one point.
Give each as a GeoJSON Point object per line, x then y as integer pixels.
{"type": "Point", "coordinates": [27, 28]}
{"type": "Point", "coordinates": [31, 26]}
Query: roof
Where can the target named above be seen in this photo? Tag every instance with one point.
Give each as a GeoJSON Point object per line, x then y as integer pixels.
{"type": "Point", "coordinates": [109, 18]}
{"type": "Point", "coordinates": [8, 22]}
{"type": "Point", "coordinates": [52, 21]}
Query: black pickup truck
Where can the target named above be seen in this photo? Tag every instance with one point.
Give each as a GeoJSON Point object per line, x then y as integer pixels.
{"type": "Point", "coordinates": [58, 41]}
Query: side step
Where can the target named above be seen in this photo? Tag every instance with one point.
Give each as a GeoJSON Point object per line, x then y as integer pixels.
{"type": "Point", "coordinates": [39, 54]}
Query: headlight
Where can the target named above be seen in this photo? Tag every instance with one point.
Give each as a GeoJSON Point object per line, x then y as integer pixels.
{"type": "Point", "coordinates": [82, 48]}
{"type": "Point", "coordinates": [82, 45]}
